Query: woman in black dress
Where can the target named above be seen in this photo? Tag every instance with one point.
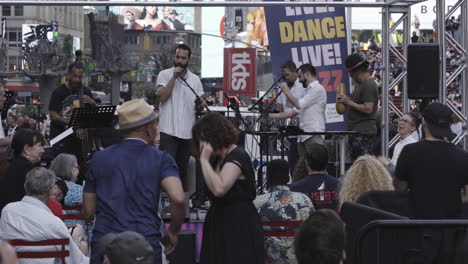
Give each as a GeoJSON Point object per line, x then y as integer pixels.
{"type": "Point", "coordinates": [232, 232]}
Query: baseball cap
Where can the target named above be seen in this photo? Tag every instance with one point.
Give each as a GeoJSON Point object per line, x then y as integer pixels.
{"type": "Point", "coordinates": [127, 247]}
{"type": "Point", "coordinates": [438, 118]}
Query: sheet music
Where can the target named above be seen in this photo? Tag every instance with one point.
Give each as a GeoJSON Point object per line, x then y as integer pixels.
{"type": "Point", "coordinates": [60, 137]}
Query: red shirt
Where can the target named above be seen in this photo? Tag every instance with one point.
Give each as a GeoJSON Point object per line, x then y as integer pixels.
{"type": "Point", "coordinates": [55, 207]}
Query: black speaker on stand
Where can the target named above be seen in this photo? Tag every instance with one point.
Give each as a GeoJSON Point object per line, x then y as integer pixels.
{"type": "Point", "coordinates": [423, 70]}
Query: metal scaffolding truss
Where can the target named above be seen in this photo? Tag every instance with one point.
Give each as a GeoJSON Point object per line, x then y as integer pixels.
{"type": "Point", "coordinates": [389, 7]}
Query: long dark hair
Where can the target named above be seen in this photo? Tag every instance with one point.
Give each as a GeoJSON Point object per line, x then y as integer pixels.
{"type": "Point", "coordinates": [143, 14]}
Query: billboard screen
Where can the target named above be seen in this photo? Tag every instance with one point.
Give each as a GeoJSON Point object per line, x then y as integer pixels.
{"type": "Point", "coordinates": [156, 17]}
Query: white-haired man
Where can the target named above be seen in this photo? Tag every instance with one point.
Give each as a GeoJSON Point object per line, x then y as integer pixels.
{"type": "Point", "coordinates": [30, 219]}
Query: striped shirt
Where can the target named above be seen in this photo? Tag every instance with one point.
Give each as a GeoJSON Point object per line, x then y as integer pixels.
{"type": "Point", "coordinates": [177, 113]}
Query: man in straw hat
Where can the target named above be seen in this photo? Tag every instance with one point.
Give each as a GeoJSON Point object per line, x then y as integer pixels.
{"type": "Point", "coordinates": [123, 184]}
{"type": "Point", "coordinates": [131, 14]}
{"type": "Point", "coordinates": [361, 106]}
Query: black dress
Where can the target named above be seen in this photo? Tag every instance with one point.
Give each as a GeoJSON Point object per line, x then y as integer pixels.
{"type": "Point", "coordinates": [232, 233]}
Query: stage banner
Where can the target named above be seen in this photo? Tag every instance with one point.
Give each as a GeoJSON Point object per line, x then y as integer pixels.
{"type": "Point", "coordinates": [315, 35]}
{"type": "Point", "coordinates": [240, 71]}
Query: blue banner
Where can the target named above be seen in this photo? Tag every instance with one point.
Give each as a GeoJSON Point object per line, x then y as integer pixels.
{"type": "Point", "coordinates": [315, 35]}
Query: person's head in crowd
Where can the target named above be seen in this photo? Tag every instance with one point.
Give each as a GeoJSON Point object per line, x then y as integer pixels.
{"type": "Point", "coordinates": [306, 74]}
{"type": "Point", "coordinates": [436, 122]}
{"type": "Point", "coordinates": [215, 129]}
{"type": "Point", "coordinates": [127, 247]}
{"type": "Point", "coordinates": [11, 119]}
{"type": "Point", "coordinates": [20, 121]}
{"type": "Point", "coordinates": [320, 239]}
{"type": "Point", "coordinates": [277, 173]}
{"type": "Point", "coordinates": [2, 95]}
{"type": "Point", "coordinates": [407, 124]}
{"type": "Point", "coordinates": [75, 75]}
{"type": "Point", "coordinates": [60, 190]}
{"type": "Point", "coordinates": [40, 184]}
{"type": "Point", "coordinates": [28, 144]}
{"type": "Point", "coordinates": [455, 118]}
{"type": "Point", "coordinates": [316, 158]}
{"type": "Point", "coordinates": [137, 119]}
{"type": "Point", "coordinates": [366, 174]}
{"type": "Point", "coordinates": [65, 166]}
{"type": "Point", "coordinates": [182, 56]}
{"type": "Point", "coordinates": [7, 253]}
{"type": "Point", "coordinates": [358, 67]}
{"type": "Point", "coordinates": [288, 70]}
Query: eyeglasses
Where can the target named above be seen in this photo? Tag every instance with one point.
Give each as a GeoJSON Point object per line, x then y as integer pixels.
{"type": "Point", "coordinates": [406, 121]}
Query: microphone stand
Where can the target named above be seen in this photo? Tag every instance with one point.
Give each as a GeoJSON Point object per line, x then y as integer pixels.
{"type": "Point", "coordinates": [232, 103]}
{"type": "Point", "coordinates": [275, 83]}
{"type": "Point", "coordinates": [198, 99]}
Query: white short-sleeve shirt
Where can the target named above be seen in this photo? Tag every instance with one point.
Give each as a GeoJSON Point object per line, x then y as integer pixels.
{"type": "Point", "coordinates": [177, 113]}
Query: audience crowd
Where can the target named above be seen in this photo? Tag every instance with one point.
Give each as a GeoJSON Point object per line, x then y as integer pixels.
{"type": "Point", "coordinates": [114, 217]}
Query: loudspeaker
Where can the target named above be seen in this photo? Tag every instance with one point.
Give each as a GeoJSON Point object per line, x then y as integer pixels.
{"type": "Point", "coordinates": [423, 70]}
{"type": "Point", "coordinates": [185, 251]}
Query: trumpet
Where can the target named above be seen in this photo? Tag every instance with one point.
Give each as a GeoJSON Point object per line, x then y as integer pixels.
{"type": "Point", "coordinates": [340, 107]}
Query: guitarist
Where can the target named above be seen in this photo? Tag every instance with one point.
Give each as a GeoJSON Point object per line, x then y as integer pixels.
{"type": "Point", "coordinates": [68, 96]}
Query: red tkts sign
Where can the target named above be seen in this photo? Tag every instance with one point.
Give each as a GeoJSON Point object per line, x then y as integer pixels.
{"type": "Point", "coordinates": [240, 71]}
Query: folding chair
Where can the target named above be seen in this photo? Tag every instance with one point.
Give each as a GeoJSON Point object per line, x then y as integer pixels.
{"type": "Point", "coordinates": [62, 254]}
{"type": "Point", "coordinates": [276, 225]}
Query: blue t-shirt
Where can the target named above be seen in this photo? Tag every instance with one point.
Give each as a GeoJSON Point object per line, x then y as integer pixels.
{"type": "Point", "coordinates": [126, 178]}
{"type": "Point", "coordinates": [321, 188]}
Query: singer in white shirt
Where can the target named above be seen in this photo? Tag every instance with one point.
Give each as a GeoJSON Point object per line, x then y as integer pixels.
{"type": "Point", "coordinates": [289, 73]}
{"type": "Point", "coordinates": [177, 107]}
{"type": "Point", "coordinates": [310, 108]}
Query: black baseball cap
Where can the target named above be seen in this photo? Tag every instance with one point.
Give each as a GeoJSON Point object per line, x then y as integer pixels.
{"type": "Point", "coordinates": [438, 118]}
{"type": "Point", "coordinates": [127, 247]}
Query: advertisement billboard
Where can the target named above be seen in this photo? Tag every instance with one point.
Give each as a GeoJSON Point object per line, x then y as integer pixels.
{"type": "Point", "coordinates": [156, 17]}
{"type": "Point", "coordinates": [250, 25]}
{"type": "Point", "coordinates": [315, 35]}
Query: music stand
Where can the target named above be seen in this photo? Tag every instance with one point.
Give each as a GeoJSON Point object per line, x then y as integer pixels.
{"type": "Point", "coordinates": [92, 117]}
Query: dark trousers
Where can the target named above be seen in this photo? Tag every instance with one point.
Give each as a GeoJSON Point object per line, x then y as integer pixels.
{"type": "Point", "coordinates": [360, 145]}
{"type": "Point", "coordinates": [293, 154]}
{"type": "Point", "coordinates": [180, 149]}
